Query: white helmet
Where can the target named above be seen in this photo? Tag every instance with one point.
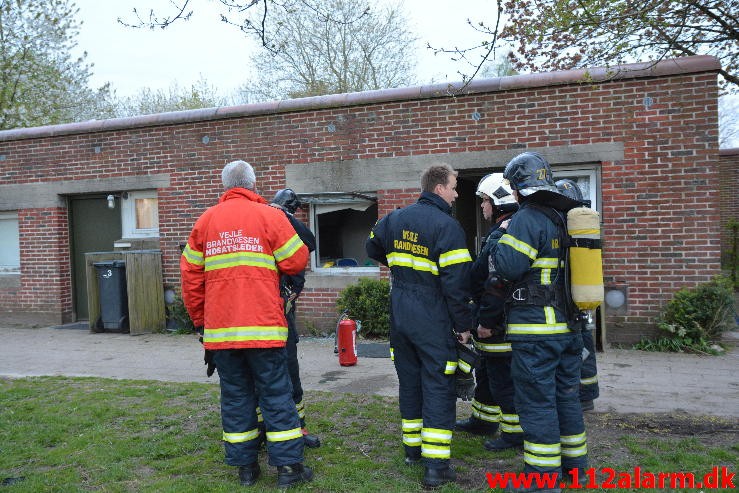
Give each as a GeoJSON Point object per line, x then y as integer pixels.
{"type": "Point", "coordinates": [497, 188]}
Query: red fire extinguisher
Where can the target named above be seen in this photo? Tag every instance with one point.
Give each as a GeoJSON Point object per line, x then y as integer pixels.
{"type": "Point", "coordinates": [346, 341]}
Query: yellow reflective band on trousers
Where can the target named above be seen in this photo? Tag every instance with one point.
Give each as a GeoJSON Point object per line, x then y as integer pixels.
{"type": "Point", "coordinates": [392, 354]}
{"type": "Point", "coordinates": [436, 443]}
{"type": "Point", "coordinates": [288, 249]}
{"type": "Point", "coordinates": [454, 257]}
{"type": "Point", "coordinates": [395, 259]}
{"type": "Point", "coordinates": [509, 423]}
{"type": "Point", "coordinates": [256, 333]}
{"type": "Point", "coordinates": [282, 436]}
{"type": "Point", "coordinates": [519, 246]}
{"type": "Point", "coordinates": [239, 259]}
{"type": "Point", "coordinates": [574, 445]}
{"type": "Point", "coordinates": [412, 432]}
{"type": "Point", "coordinates": [193, 256]}
{"type": "Point", "coordinates": [589, 381]}
{"type": "Point", "coordinates": [542, 454]}
{"type": "Point", "coordinates": [451, 367]}
{"type": "Point", "coordinates": [503, 347]}
{"type": "Point", "coordinates": [483, 412]}
{"type": "Point", "coordinates": [240, 437]}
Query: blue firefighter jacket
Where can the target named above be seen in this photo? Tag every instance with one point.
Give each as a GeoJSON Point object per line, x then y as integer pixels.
{"type": "Point", "coordinates": [528, 255]}
{"type": "Point", "coordinates": [425, 249]}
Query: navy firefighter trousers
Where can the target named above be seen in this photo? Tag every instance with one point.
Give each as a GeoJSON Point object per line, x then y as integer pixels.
{"type": "Point", "coordinates": [546, 374]}
{"type": "Point", "coordinates": [244, 374]}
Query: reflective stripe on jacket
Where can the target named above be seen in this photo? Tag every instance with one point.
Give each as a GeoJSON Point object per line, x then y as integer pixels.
{"type": "Point", "coordinates": [230, 271]}
{"type": "Point", "coordinates": [424, 246]}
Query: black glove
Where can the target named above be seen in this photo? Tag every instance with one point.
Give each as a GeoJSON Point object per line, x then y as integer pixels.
{"type": "Point", "coordinates": [211, 365]}
{"type": "Point", "coordinates": [464, 384]}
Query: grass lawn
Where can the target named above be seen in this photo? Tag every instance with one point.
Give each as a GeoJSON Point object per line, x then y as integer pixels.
{"type": "Point", "coordinates": [93, 434]}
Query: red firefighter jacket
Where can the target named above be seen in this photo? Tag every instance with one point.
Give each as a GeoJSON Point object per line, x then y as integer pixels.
{"type": "Point", "coordinates": [231, 270]}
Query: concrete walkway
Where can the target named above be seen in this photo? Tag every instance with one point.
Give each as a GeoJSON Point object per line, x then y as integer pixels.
{"type": "Point", "coordinates": [630, 381]}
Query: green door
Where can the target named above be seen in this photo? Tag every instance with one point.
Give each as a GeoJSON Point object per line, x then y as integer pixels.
{"type": "Point", "coordinates": [93, 228]}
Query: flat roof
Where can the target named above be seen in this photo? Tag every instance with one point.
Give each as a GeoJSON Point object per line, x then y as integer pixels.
{"type": "Point", "coordinates": [675, 66]}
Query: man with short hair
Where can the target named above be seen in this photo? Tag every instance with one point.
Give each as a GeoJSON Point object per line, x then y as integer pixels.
{"type": "Point", "coordinates": [425, 249]}
{"type": "Point", "coordinates": [230, 272]}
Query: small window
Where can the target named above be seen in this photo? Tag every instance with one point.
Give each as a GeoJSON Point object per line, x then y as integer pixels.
{"type": "Point", "coordinates": [341, 223]}
{"type": "Point", "coordinates": [586, 180]}
{"type": "Point", "coordinates": [140, 214]}
{"type": "Point", "coordinates": [10, 248]}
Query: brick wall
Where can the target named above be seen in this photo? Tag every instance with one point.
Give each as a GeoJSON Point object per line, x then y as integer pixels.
{"type": "Point", "coordinates": [661, 229]}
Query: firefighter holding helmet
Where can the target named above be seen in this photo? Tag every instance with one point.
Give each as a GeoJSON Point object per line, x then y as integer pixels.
{"type": "Point", "coordinates": [492, 405]}
{"type": "Point", "coordinates": [547, 349]}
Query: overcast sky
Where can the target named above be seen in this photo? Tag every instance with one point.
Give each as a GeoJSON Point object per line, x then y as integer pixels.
{"type": "Point", "coordinates": [131, 59]}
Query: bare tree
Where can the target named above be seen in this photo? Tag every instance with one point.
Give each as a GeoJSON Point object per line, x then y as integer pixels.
{"type": "Point", "coordinates": [148, 101]}
{"type": "Point", "coordinates": [728, 121]}
{"type": "Point", "coordinates": [313, 54]}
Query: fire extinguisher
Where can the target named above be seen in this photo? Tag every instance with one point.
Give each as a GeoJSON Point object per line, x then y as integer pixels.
{"type": "Point", "coordinates": [346, 341]}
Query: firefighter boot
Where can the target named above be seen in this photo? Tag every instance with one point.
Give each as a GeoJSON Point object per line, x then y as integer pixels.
{"type": "Point", "coordinates": [433, 478]}
{"type": "Point", "coordinates": [587, 406]}
{"type": "Point", "coordinates": [476, 426]}
{"type": "Point", "coordinates": [249, 474]}
{"type": "Point", "coordinates": [310, 441]}
{"type": "Point", "coordinates": [291, 475]}
{"type": "Point", "coordinates": [500, 444]}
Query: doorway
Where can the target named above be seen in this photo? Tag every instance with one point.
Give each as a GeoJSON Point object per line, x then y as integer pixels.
{"type": "Point", "coordinates": [93, 227]}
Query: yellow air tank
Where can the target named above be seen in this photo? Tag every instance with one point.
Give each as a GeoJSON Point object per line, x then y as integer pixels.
{"type": "Point", "coordinates": [586, 263]}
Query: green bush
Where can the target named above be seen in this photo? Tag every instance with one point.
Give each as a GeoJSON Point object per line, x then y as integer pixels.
{"type": "Point", "coordinates": [178, 314]}
{"type": "Point", "coordinates": [369, 302]}
{"type": "Point", "coordinates": [695, 318]}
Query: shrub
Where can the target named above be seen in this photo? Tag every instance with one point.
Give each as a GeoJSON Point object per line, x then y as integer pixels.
{"type": "Point", "coordinates": [368, 301]}
{"type": "Point", "coordinates": [178, 318]}
{"type": "Point", "coordinates": [695, 318]}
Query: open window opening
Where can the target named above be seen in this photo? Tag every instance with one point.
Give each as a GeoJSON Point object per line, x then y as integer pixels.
{"type": "Point", "coordinates": [341, 223]}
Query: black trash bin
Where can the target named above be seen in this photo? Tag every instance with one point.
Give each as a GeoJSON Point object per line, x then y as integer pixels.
{"type": "Point", "coordinates": [113, 297]}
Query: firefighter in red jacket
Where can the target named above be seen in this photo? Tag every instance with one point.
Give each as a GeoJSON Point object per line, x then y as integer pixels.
{"type": "Point", "coordinates": [231, 270]}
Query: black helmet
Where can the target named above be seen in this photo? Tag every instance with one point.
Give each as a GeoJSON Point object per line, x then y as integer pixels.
{"type": "Point", "coordinates": [569, 189]}
{"type": "Point", "coordinates": [528, 173]}
{"type": "Point", "coordinates": [287, 199]}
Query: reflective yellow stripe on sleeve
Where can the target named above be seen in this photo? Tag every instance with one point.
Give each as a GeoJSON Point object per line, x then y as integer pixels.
{"type": "Point", "coordinates": [454, 257]}
{"type": "Point", "coordinates": [193, 256]}
{"type": "Point", "coordinates": [288, 249]}
{"type": "Point", "coordinates": [519, 246]}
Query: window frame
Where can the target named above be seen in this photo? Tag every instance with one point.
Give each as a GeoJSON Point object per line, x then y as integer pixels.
{"type": "Point", "coordinates": [315, 201]}
{"type": "Point", "coordinates": [12, 269]}
{"type": "Point", "coordinates": [128, 215]}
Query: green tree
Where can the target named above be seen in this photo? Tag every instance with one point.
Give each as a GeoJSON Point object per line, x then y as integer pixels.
{"type": "Point", "coordinates": [149, 101]}
{"type": "Point", "coordinates": [565, 34]}
{"type": "Point", "coordinates": [41, 82]}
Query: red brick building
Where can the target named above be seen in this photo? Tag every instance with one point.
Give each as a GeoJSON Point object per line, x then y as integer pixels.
{"type": "Point", "coordinates": [641, 140]}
